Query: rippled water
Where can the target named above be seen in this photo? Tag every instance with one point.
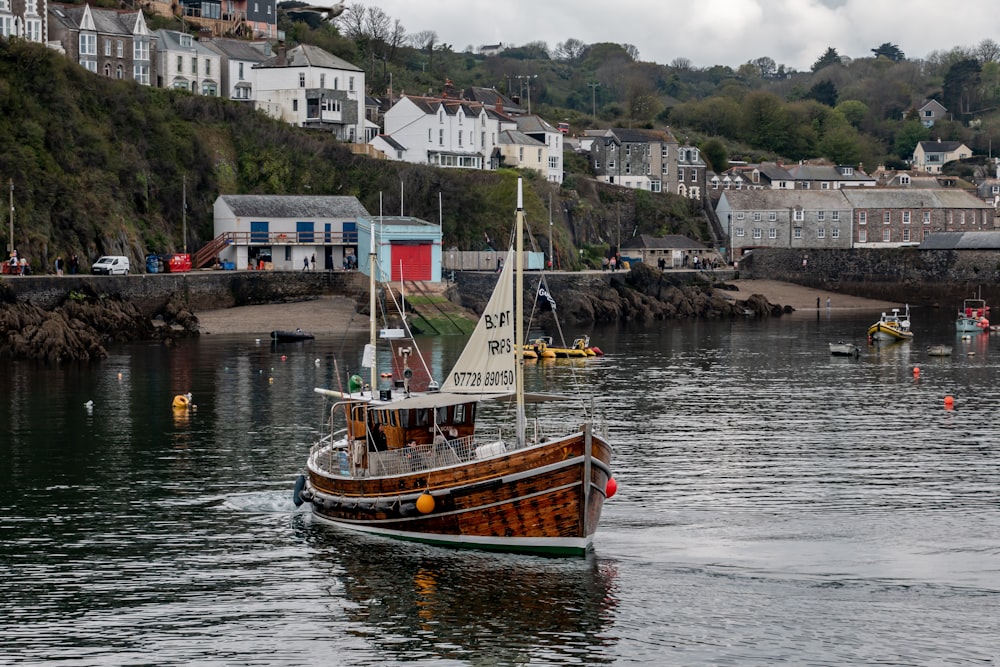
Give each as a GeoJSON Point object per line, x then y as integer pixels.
{"type": "Point", "coordinates": [776, 505]}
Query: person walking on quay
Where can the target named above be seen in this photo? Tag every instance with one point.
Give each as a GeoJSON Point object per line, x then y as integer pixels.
{"type": "Point", "coordinates": [305, 263]}
{"type": "Point", "coordinates": [314, 262]}
{"type": "Point", "coordinates": [59, 265]}
{"type": "Point", "coordinates": [74, 265]}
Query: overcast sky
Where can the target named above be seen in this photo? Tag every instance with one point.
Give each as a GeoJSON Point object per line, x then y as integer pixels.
{"type": "Point", "coordinates": [708, 32]}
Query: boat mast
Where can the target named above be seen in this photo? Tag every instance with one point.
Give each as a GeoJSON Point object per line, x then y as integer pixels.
{"type": "Point", "coordinates": [519, 315]}
{"type": "Point", "coordinates": [371, 309]}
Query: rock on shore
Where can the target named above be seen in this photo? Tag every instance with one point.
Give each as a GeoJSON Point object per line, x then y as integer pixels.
{"type": "Point", "coordinates": [79, 329]}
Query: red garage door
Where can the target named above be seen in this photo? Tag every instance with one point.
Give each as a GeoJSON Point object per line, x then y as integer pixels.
{"type": "Point", "coordinates": [411, 262]}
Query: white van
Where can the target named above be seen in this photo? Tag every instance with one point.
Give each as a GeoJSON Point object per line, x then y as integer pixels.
{"type": "Point", "coordinates": [111, 265]}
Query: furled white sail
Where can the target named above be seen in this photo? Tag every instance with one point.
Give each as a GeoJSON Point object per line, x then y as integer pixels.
{"type": "Point", "coordinates": [488, 362]}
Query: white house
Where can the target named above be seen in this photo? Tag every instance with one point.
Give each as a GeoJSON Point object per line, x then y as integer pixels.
{"type": "Point", "coordinates": [444, 132]}
{"type": "Point", "coordinates": [282, 232]}
{"type": "Point", "coordinates": [523, 152]}
{"type": "Point", "coordinates": [308, 87]}
{"type": "Point", "coordinates": [238, 58]}
{"type": "Point", "coordinates": [24, 19]}
{"type": "Point", "coordinates": [185, 64]}
{"type": "Point", "coordinates": [537, 128]}
{"type": "Point", "coordinates": [930, 156]}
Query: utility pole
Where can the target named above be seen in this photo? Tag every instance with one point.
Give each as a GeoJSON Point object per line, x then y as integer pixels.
{"type": "Point", "coordinates": [593, 96]}
{"type": "Point", "coordinates": [527, 81]}
{"type": "Point", "coordinates": [10, 239]}
{"type": "Point", "coordinates": [184, 220]}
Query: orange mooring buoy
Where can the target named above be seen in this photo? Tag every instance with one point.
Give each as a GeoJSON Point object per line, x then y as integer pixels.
{"type": "Point", "coordinates": [949, 402]}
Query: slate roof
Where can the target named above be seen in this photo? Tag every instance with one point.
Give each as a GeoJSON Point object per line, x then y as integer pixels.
{"type": "Point", "coordinates": [668, 242]}
{"type": "Point", "coordinates": [307, 55]}
{"type": "Point", "coordinates": [825, 172]}
{"type": "Point", "coordinates": [770, 200]}
{"type": "Point", "coordinates": [533, 124]}
{"type": "Point", "coordinates": [387, 138]}
{"type": "Point", "coordinates": [637, 136]}
{"type": "Point", "coordinates": [515, 138]}
{"type": "Point", "coordinates": [940, 146]}
{"type": "Point", "coordinates": [238, 49]}
{"type": "Point", "coordinates": [961, 241]}
{"type": "Point", "coordinates": [106, 21]}
{"type": "Point", "coordinates": [295, 206]}
{"type": "Point", "coordinates": [903, 198]}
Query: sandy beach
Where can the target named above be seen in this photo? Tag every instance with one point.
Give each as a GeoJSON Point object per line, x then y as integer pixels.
{"type": "Point", "coordinates": [335, 314]}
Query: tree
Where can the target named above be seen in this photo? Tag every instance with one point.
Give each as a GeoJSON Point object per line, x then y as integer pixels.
{"type": "Point", "coordinates": [988, 51]}
{"type": "Point", "coordinates": [766, 66]}
{"type": "Point", "coordinates": [824, 92]}
{"type": "Point", "coordinates": [632, 52]}
{"type": "Point", "coordinates": [841, 145]}
{"type": "Point", "coordinates": [961, 86]}
{"type": "Point", "coordinates": [853, 111]}
{"type": "Point", "coordinates": [571, 49]}
{"type": "Point", "coordinates": [831, 57]}
{"type": "Point", "coordinates": [681, 64]}
{"type": "Point", "coordinates": [909, 135]}
{"type": "Point", "coordinates": [890, 51]}
{"type": "Point", "coordinates": [715, 155]}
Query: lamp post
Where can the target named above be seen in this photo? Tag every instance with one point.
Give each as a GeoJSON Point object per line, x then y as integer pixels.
{"type": "Point", "coordinates": [527, 82]}
{"type": "Point", "coordinates": [593, 97]}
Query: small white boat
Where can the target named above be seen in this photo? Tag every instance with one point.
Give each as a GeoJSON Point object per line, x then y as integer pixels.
{"type": "Point", "coordinates": [939, 350]}
{"type": "Point", "coordinates": [842, 349]}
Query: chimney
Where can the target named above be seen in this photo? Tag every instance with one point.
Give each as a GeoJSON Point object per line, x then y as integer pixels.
{"type": "Point", "coordinates": [282, 55]}
{"type": "Point", "coordinates": [499, 109]}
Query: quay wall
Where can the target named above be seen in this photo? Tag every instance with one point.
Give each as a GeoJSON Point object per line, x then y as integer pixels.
{"type": "Point", "coordinates": [936, 278]}
{"type": "Point", "coordinates": [199, 290]}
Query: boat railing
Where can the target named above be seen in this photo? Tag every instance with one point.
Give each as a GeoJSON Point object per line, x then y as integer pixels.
{"type": "Point", "coordinates": [332, 455]}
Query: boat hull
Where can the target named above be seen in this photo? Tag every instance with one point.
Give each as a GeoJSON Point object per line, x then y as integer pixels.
{"type": "Point", "coordinates": [545, 498]}
{"type": "Point", "coordinates": [882, 332]}
{"type": "Point", "coordinates": [844, 350]}
{"type": "Point", "coordinates": [290, 336]}
{"type": "Point", "coordinates": [971, 324]}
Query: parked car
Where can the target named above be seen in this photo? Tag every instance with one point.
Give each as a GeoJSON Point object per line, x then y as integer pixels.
{"type": "Point", "coordinates": [111, 265]}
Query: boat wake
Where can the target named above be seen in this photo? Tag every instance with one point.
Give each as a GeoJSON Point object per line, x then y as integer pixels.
{"type": "Point", "coordinates": [263, 502]}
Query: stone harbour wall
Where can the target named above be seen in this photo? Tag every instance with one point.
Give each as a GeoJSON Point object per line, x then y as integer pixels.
{"type": "Point", "coordinates": [940, 278]}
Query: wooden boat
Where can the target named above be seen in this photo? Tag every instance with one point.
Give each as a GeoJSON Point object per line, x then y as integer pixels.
{"type": "Point", "coordinates": [421, 466]}
{"type": "Point", "coordinates": [973, 317]}
{"type": "Point", "coordinates": [939, 350]}
{"type": "Point", "coordinates": [290, 336]}
{"type": "Point", "coordinates": [891, 327]}
{"type": "Point", "coordinates": [842, 349]}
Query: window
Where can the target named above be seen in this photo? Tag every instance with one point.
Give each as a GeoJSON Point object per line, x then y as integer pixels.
{"type": "Point", "coordinates": [906, 217]}
{"type": "Point", "coordinates": [350, 83]}
{"type": "Point", "coordinates": [440, 137]}
{"type": "Point", "coordinates": [119, 73]}
{"type": "Point", "coordinates": [628, 149]}
{"type": "Point", "coordinates": [628, 168]}
{"type": "Point", "coordinates": [906, 235]}
{"type": "Point", "coordinates": [740, 232]}
{"type": "Point", "coordinates": [597, 164]}
{"type": "Point", "coordinates": [961, 218]}
{"type": "Point", "coordinates": [694, 175]}
{"type": "Point", "coordinates": [664, 152]}
{"type": "Point", "coordinates": [520, 154]}
{"type": "Point", "coordinates": [821, 215]}
{"type": "Point", "coordinates": [904, 179]}
{"type": "Point", "coordinates": [680, 174]}
{"type": "Point", "coordinates": [430, 137]}
{"type": "Point", "coordinates": [756, 216]}
{"type": "Point", "coordinates": [797, 233]}
{"type": "Point", "coordinates": [886, 235]}
{"type": "Point", "coordinates": [302, 79]}
{"type": "Point", "coordinates": [758, 233]}
{"type": "Point", "coordinates": [140, 51]}
{"type": "Point", "coordinates": [835, 233]}
{"type": "Point", "coordinates": [611, 164]}
{"type": "Point", "coordinates": [821, 233]}
{"type": "Point", "coordinates": [194, 65]}
{"type": "Point", "coordinates": [740, 215]}
{"type": "Point", "coordinates": [656, 186]}
{"type": "Point", "coordinates": [180, 64]}
{"type": "Point", "coordinates": [295, 105]}
{"type": "Point", "coordinates": [886, 217]}
{"type": "Point", "coordinates": [664, 170]}
{"type": "Point", "coordinates": [772, 216]}
{"type": "Point", "coordinates": [799, 215]}
{"type": "Point", "coordinates": [141, 74]}
{"type": "Point", "coordinates": [88, 44]}
{"type": "Point", "coordinates": [862, 236]}
{"type": "Point", "coordinates": [824, 186]}
{"type": "Point", "coordinates": [772, 233]}
{"type": "Point", "coordinates": [835, 215]}
{"type": "Point", "coordinates": [107, 48]}
{"type": "Point", "coordinates": [208, 67]}
{"type": "Point", "coordinates": [120, 49]}
{"type": "Point", "coordinates": [107, 70]}
{"type": "Point", "coordinates": [862, 217]}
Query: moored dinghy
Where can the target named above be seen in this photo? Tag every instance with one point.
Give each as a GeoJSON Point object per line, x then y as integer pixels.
{"type": "Point", "coordinates": [419, 466]}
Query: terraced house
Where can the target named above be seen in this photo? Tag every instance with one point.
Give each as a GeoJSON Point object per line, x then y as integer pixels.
{"type": "Point", "coordinates": [846, 218]}
{"type": "Point", "coordinates": [115, 44]}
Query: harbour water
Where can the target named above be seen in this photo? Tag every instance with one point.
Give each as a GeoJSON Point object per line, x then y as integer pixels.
{"type": "Point", "coordinates": [776, 505]}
